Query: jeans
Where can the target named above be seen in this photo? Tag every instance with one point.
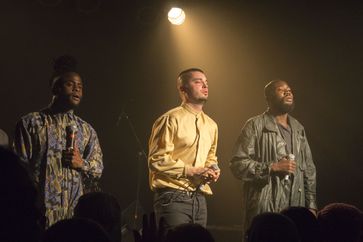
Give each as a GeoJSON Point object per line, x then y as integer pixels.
{"type": "Point", "coordinates": [180, 207]}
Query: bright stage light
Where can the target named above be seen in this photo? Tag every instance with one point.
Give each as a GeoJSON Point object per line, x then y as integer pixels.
{"type": "Point", "coordinates": [176, 16]}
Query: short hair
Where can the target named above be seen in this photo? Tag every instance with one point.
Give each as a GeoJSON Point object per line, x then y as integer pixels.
{"type": "Point", "coordinates": [270, 88]}
{"type": "Point", "coordinates": [184, 76]}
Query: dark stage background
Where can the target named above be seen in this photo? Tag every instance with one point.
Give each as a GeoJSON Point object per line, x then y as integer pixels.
{"type": "Point", "coordinates": [129, 56]}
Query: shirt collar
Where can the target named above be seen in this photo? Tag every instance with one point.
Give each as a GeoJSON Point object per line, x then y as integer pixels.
{"type": "Point", "coordinates": [191, 110]}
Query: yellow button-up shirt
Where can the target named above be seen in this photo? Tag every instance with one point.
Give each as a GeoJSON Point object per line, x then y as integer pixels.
{"type": "Point", "coordinates": [180, 138]}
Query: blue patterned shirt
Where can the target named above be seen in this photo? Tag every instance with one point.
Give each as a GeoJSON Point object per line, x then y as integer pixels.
{"type": "Point", "coordinates": [40, 139]}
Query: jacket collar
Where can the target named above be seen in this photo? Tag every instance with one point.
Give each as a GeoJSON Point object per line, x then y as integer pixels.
{"type": "Point", "coordinates": [271, 124]}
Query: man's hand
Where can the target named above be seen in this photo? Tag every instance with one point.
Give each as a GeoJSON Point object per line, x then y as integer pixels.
{"type": "Point", "coordinates": [213, 174]}
{"type": "Point", "coordinates": [73, 158]}
{"type": "Point", "coordinates": [196, 171]}
{"type": "Point", "coordinates": [284, 166]}
{"type": "Point", "coordinates": [205, 173]}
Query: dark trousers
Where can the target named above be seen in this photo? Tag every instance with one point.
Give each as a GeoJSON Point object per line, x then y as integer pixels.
{"type": "Point", "coordinates": [180, 207]}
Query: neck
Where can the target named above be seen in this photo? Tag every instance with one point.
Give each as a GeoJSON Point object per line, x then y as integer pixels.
{"type": "Point", "coordinates": [196, 106]}
{"type": "Point", "coordinates": [58, 106]}
{"type": "Point", "coordinates": [280, 118]}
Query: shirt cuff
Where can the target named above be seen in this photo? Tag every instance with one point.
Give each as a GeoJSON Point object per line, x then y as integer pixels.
{"type": "Point", "coordinates": [186, 167]}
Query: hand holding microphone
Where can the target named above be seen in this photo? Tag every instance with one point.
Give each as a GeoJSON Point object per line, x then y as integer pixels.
{"type": "Point", "coordinates": [213, 173]}
{"type": "Point", "coordinates": [71, 156]}
{"type": "Point", "coordinates": [206, 174]}
{"type": "Point", "coordinates": [286, 166]}
{"type": "Point", "coordinates": [71, 132]}
{"type": "Point", "coordinates": [210, 174]}
{"type": "Point", "coordinates": [290, 157]}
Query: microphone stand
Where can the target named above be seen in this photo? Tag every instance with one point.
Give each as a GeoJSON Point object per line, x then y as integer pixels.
{"type": "Point", "coordinates": [141, 154]}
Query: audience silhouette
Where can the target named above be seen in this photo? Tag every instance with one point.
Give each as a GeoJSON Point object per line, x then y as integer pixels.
{"type": "Point", "coordinates": [102, 208]}
{"type": "Point", "coordinates": [272, 227]}
{"type": "Point", "coordinates": [19, 203]}
{"type": "Point", "coordinates": [340, 222]}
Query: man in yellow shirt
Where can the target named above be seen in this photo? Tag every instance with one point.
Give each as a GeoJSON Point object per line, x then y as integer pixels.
{"type": "Point", "coordinates": [182, 155]}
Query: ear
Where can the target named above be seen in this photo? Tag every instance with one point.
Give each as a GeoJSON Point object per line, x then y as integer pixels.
{"type": "Point", "coordinates": [55, 90]}
{"type": "Point", "coordinates": [183, 88]}
{"type": "Point", "coordinates": [56, 87]}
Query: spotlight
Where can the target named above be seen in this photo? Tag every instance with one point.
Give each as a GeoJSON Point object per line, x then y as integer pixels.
{"type": "Point", "coordinates": [176, 16]}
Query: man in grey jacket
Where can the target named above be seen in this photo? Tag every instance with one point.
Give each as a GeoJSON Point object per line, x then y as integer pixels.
{"type": "Point", "coordinates": [273, 160]}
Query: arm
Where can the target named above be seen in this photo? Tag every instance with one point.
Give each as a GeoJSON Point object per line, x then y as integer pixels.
{"type": "Point", "coordinates": [212, 158]}
{"type": "Point", "coordinates": [22, 144]}
{"type": "Point", "coordinates": [92, 157]}
{"type": "Point", "coordinates": [89, 164]}
{"type": "Point", "coordinates": [244, 164]}
{"type": "Point", "coordinates": [161, 148]}
{"type": "Point", "coordinates": [309, 178]}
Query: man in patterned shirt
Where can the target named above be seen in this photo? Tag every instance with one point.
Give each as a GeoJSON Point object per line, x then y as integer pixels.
{"type": "Point", "coordinates": [61, 174]}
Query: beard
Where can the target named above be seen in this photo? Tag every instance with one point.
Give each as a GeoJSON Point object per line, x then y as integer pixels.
{"type": "Point", "coordinates": [202, 99]}
{"type": "Point", "coordinates": [282, 107]}
{"type": "Point", "coordinates": [196, 98]}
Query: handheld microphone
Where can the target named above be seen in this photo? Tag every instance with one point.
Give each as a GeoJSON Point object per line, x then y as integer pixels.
{"type": "Point", "coordinates": [71, 131]}
{"type": "Point", "coordinates": [214, 167]}
{"type": "Point", "coordinates": [208, 179]}
{"type": "Point", "coordinates": [289, 157]}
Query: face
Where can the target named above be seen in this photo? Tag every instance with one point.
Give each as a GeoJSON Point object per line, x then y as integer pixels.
{"type": "Point", "coordinates": [196, 89]}
{"type": "Point", "coordinates": [71, 90]}
{"type": "Point", "coordinates": [282, 99]}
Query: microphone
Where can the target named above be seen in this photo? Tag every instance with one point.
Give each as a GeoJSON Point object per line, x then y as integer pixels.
{"type": "Point", "coordinates": [214, 167]}
{"type": "Point", "coordinates": [289, 157]}
{"type": "Point", "coordinates": [71, 131]}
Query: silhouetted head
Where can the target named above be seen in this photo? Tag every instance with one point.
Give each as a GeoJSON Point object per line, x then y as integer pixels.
{"type": "Point", "coordinates": [102, 208]}
{"type": "Point", "coordinates": [19, 202]}
{"type": "Point", "coordinates": [76, 230]}
{"type": "Point", "coordinates": [272, 227]}
{"type": "Point", "coordinates": [306, 223]}
{"type": "Point", "coordinates": [340, 222]}
{"type": "Point", "coordinates": [189, 233]}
